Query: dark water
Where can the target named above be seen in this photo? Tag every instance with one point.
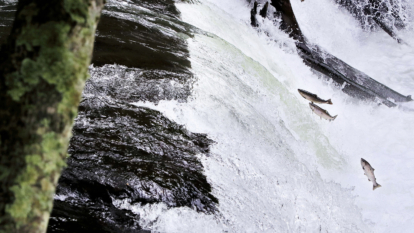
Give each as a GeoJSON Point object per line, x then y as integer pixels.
{"type": "Point", "coordinates": [120, 151]}
{"type": "Point", "coordinates": [123, 152]}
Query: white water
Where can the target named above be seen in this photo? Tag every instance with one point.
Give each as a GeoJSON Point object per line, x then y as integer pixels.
{"type": "Point", "coordinates": [277, 167]}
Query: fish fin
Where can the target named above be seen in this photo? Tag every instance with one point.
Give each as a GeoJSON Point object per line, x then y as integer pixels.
{"type": "Point", "coordinates": [329, 101]}
{"type": "Point", "coordinates": [369, 179]}
{"type": "Point", "coordinates": [376, 186]}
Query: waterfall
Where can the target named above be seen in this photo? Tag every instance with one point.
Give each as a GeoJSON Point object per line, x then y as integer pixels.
{"type": "Point", "coordinates": [192, 122]}
{"type": "Point", "coordinates": [276, 167]}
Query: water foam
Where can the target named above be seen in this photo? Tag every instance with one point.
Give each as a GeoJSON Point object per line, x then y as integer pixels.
{"type": "Point", "coordinates": [276, 167]}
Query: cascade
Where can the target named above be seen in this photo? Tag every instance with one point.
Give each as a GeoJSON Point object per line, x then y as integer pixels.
{"type": "Point", "coordinates": [192, 122]}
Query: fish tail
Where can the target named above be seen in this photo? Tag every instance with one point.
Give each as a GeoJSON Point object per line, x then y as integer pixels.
{"type": "Point", "coordinates": [334, 117]}
{"type": "Point", "coordinates": [376, 185]}
{"type": "Point", "coordinates": [329, 101]}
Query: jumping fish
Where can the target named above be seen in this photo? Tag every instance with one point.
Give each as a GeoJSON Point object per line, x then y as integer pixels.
{"type": "Point", "coordinates": [321, 112]}
{"type": "Point", "coordinates": [313, 97]}
{"type": "Point", "coordinates": [369, 172]}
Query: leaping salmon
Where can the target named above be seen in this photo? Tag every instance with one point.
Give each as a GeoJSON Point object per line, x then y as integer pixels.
{"type": "Point", "coordinates": [369, 172]}
{"type": "Point", "coordinates": [321, 112]}
{"type": "Point", "coordinates": [313, 97]}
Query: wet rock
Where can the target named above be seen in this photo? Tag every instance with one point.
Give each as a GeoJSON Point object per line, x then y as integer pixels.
{"type": "Point", "coordinates": [253, 13]}
{"type": "Point", "coordinates": [121, 152]}
{"type": "Point", "coordinates": [89, 209]}
{"type": "Point", "coordinates": [288, 22]}
{"type": "Point", "coordinates": [140, 155]}
{"type": "Point", "coordinates": [126, 152]}
{"type": "Point", "coordinates": [388, 15]}
{"type": "Point", "coordinates": [263, 11]}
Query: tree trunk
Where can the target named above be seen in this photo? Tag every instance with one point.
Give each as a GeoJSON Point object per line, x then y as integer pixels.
{"type": "Point", "coordinates": [43, 68]}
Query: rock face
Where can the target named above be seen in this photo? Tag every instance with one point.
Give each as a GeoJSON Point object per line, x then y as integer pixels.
{"type": "Point", "coordinates": [253, 13]}
{"type": "Point", "coordinates": [140, 155]}
{"type": "Point", "coordinates": [263, 11]}
{"type": "Point", "coordinates": [127, 153]}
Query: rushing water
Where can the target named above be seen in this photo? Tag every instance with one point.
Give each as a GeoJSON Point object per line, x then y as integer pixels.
{"type": "Point", "coordinates": [277, 167]}
{"type": "Point", "coordinates": [191, 122]}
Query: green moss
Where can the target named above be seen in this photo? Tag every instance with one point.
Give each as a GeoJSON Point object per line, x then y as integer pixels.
{"type": "Point", "coordinates": [17, 88]}
{"type": "Point", "coordinates": [21, 206]}
{"type": "Point", "coordinates": [4, 172]}
{"type": "Point", "coordinates": [78, 10]}
{"type": "Point", "coordinates": [35, 187]}
{"type": "Point", "coordinates": [60, 52]}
